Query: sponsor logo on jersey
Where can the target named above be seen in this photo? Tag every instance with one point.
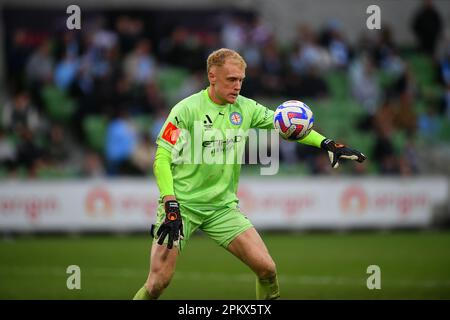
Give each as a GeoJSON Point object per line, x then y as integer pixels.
{"type": "Point", "coordinates": [218, 143]}
{"type": "Point", "coordinates": [236, 118]}
{"type": "Point", "coordinates": [208, 122]}
{"type": "Point", "coordinates": [171, 133]}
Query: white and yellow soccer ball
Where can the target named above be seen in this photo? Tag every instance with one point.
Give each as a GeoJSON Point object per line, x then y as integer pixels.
{"type": "Point", "coordinates": [293, 120]}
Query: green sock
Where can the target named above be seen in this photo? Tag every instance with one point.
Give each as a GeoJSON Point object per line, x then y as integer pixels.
{"type": "Point", "coordinates": [267, 289]}
{"type": "Point", "coordinates": [142, 294]}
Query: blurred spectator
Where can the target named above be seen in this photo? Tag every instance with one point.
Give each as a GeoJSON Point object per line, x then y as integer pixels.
{"type": "Point", "coordinates": [158, 123]}
{"type": "Point", "coordinates": [258, 33]}
{"type": "Point", "coordinates": [234, 33]}
{"type": "Point", "coordinates": [92, 165]}
{"type": "Point", "coordinates": [68, 45]}
{"type": "Point", "coordinates": [272, 69]}
{"type": "Point", "coordinates": [332, 38]}
{"type": "Point", "coordinates": [39, 67]}
{"type": "Point", "coordinates": [312, 85]}
{"type": "Point", "coordinates": [405, 169]}
{"type": "Point", "coordinates": [140, 65]}
{"type": "Point", "coordinates": [446, 101]}
{"type": "Point", "coordinates": [411, 156]}
{"type": "Point", "coordinates": [175, 49]}
{"type": "Point", "coordinates": [252, 55]}
{"type": "Point", "coordinates": [382, 47]}
{"type": "Point", "coordinates": [359, 169]}
{"type": "Point", "coordinates": [321, 165]}
{"type": "Point", "coordinates": [253, 80]}
{"type": "Point", "coordinates": [392, 63]}
{"type": "Point", "coordinates": [121, 141]}
{"type": "Point", "coordinates": [405, 117]}
{"type": "Point", "coordinates": [66, 71]}
{"type": "Point", "coordinates": [154, 99]}
{"type": "Point", "coordinates": [187, 49]}
{"type": "Point", "coordinates": [105, 81]}
{"type": "Point", "coordinates": [405, 84]}
{"type": "Point", "coordinates": [309, 53]}
{"type": "Point", "coordinates": [427, 27]}
{"type": "Point", "coordinates": [444, 66]}
{"type": "Point", "coordinates": [339, 52]}
{"type": "Point", "coordinates": [129, 32]}
{"type": "Point", "coordinates": [194, 83]}
{"type": "Point", "coordinates": [364, 83]}
{"type": "Point", "coordinates": [106, 70]}
{"type": "Point", "coordinates": [288, 152]}
{"type": "Point", "coordinates": [16, 57]}
{"type": "Point", "coordinates": [103, 38]}
{"type": "Point", "coordinates": [58, 150]}
{"type": "Point", "coordinates": [384, 152]}
{"type": "Point", "coordinates": [29, 153]}
{"type": "Point", "coordinates": [144, 154]}
{"type": "Point", "coordinates": [383, 118]}
{"type": "Point", "coordinates": [428, 123]}
{"type": "Point", "coordinates": [7, 150]}
{"type": "Point", "coordinates": [20, 114]}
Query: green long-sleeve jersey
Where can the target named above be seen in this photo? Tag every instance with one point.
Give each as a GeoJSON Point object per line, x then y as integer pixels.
{"type": "Point", "coordinates": [206, 142]}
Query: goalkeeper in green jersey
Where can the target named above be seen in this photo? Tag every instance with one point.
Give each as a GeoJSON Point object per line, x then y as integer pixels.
{"type": "Point", "coordinates": [202, 194]}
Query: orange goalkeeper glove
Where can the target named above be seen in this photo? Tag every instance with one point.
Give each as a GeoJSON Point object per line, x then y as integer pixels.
{"type": "Point", "coordinates": [172, 225]}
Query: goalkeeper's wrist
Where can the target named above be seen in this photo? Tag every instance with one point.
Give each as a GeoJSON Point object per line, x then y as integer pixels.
{"type": "Point", "coordinates": [172, 208]}
{"type": "Point", "coordinates": [325, 144]}
{"type": "Point", "coordinates": [169, 198]}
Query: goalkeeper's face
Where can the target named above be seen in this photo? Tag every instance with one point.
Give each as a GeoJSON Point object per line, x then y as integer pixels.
{"type": "Point", "coordinates": [226, 81]}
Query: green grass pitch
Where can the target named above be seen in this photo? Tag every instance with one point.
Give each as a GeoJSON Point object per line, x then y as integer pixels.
{"type": "Point", "coordinates": [414, 265]}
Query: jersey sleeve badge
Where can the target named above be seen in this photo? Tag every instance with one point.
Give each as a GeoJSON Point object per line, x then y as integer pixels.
{"type": "Point", "coordinates": [171, 133]}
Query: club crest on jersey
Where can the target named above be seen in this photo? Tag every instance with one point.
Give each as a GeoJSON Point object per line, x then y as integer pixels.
{"type": "Point", "coordinates": [236, 118]}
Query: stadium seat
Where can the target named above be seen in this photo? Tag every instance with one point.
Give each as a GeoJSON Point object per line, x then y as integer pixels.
{"type": "Point", "coordinates": [58, 105]}
{"type": "Point", "coordinates": [386, 79]}
{"type": "Point", "coordinates": [3, 172]}
{"type": "Point", "coordinates": [337, 117]}
{"type": "Point", "coordinates": [399, 141]}
{"type": "Point", "coordinates": [363, 142]}
{"type": "Point", "coordinates": [422, 68]}
{"type": "Point", "coordinates": [169, 80]}
{"type": "Point", "coordinates": [338, 84]}
{"type": "Point", "coordinates": [47, 173]}
{"type": "Point", "coordinates": [144, 123]}
{"type": "Point", "coordinates": [95, 132]}
{"type": "Point", "coordinates": [445, 130]}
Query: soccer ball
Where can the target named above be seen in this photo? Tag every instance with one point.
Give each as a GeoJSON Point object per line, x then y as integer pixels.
{"type": "Point", "coordinates": [293, 120]}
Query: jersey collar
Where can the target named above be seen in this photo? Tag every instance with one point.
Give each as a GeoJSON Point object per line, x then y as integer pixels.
{"type": "Point", "coordinates": [208, 98]}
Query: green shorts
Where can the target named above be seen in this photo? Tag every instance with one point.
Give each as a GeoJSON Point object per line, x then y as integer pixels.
{"type": "Point", "coordinates": [222, 225]}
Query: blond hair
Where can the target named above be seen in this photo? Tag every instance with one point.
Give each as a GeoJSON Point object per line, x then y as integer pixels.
{"type": "Point", "coordinates": [218, 58]}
